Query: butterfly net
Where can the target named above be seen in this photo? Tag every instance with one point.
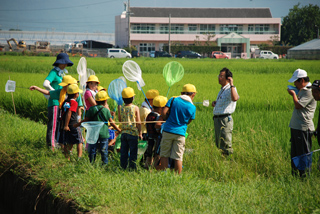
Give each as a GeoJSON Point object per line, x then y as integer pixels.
{"type": "Point", "coordinates": [132, 72]}
{"type": "Point", "coordinates": [173, 72]}
{"type": "Point", "coordinates": [10, 86]}
{"type": "Point", "coordinates": [115, 89]}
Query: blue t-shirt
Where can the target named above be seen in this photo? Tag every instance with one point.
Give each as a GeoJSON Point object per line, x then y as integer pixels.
{"type": "Point", "coordinates": [180, 113]}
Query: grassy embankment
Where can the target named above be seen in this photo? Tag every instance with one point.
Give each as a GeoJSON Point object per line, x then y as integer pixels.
{"type": "Point", "coordinates": [256, 180]}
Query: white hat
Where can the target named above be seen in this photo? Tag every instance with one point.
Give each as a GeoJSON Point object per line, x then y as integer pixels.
{"type": "Point", "coordinates": [299, 73]}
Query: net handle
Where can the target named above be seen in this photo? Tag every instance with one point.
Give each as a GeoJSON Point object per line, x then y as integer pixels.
{"type": "Point", "coordinates": [144, 95]}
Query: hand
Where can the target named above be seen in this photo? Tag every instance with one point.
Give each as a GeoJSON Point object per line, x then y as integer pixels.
{"type": "Point", "coordinates": [76, 125]}
{"type": "Point", "coordinates": [66, 128]}
{"type": "Point", "coordinates": [291, 92]}
{"type": "Point", "coordinates": [230, 80]}
{"type": "Point", "coordinates": [214, 103]}
{"type": "Point", "coordinates": [32, 88]}
{"type": "Point", "coordinates": [113, 113]}
{"type": "Point", "coordinates": [140, 137]}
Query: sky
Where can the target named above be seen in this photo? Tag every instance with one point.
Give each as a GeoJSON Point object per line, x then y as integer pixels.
{"type": "Point", "coordinates": [97, 16]}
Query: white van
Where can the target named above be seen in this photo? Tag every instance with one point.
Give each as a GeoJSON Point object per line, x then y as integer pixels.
{"type": "Point", "coordinates": [117, 53]}
{"type": "Point", "coordinates": [268, 55]}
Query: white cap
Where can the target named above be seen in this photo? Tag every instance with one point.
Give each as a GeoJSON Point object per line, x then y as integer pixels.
{"type": "Point", "coordinates": [299, 73]}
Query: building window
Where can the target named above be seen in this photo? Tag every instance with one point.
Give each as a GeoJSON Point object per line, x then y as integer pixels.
{"type": "Point", "coordinates": [226, 29]}
{"type": "Point", "coordinates": [143, 28]}
{"type": "Point", "coordinates": [164, 28]}
{"type": "Point", "coordinates": [146, 47]}
{"type": "Point", "coordinates": [250, 28]}
{"type": "Point", "coordinates": [262, 29]}
{"type": "Point", "coordinates": [192, 28]}
{"type": "Point", "coordinates": [177, 29]}
{"type": "Point", "coordinates": [207, 28]}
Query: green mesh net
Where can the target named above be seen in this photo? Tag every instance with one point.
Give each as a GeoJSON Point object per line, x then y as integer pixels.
{"type": "Point", "coordinates": [173, 72]}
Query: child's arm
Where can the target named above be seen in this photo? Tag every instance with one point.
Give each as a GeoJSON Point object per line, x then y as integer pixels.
{"type": "Point", "coordinates": [158, 124]}
{"type": "Point", "coordinates": [114, 125]}
{"type": "Point", "coordinates": [138, 124]}
{"type": "Point", "coordinates": [92, 101]}
{"type": "Point", "coordinates": [78, 124]}
{"type": "Point", "coordinates": [66, 123]}
{"type": "Point", "coordinates": [43, 91]}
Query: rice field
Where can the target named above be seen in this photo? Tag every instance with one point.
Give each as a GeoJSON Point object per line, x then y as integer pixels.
{"type": "Point", "coordinates": [257, 179]}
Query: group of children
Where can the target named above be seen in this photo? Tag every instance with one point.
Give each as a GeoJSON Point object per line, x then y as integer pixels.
{"type": "Point", "coordinates": [65, 107]}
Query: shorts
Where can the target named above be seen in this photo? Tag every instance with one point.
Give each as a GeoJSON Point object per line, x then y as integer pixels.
{"type": "Point", "coordinates": [172, 146]}
{"type": "Point", "coordinates": [73, 136]}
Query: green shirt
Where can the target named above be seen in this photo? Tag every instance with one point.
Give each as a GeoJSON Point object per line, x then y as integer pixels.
{"type": "Point", "coordinates": [104, 115]}
{"type": "Point", "coordinates": [54, 98]}
{"type": "Point", "coordinates": [54, 79]}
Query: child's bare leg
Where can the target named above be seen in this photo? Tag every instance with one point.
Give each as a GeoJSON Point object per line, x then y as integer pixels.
{"type": "Point", "coordinates": [79, 150]}
{"type": "Point", "coordinates": [164, 163]}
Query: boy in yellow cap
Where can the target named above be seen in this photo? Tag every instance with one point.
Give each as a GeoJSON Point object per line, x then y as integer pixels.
{"type": "Point", "coordinates": [72, 135]}
{"type": "Point", "coordinates": [131, 129]}
{"type": "Point", "coordinates": [57, 97]}
{"type": "Point", "coordinates": [181, 112]}
{"type": "Point", "coordinates": [145, 109]}
{"type": "Point", "coordinates": [153, 130]}
{"type": "Point", "coordinates": [100, 113]}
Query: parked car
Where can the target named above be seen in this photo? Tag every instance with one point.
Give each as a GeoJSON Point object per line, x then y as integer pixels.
{"type": "Point", "coordinates": [151, 54]}
{"type": "Point", "coordinates": [188, 54]}
{"type": "Point", "coordinates": [268, 55]}
{"type": "Point", "coordinates": [117, 53]}
{"type": "Point", "coordinates": [135, 54]}
{"type": "Point", "coordinates": [219, 55]}
{"type": "Point", "coordinates": [162, 54]}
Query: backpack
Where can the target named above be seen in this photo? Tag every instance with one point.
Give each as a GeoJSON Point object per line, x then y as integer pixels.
{"type": "Point", "coordinates": [151, 130]}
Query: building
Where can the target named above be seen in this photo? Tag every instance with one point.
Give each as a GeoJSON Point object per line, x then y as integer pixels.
{"type": "Point", "coordinates": [55, 38]}
{"type": "Point", "coordinates": [308, 50]}
{"type": "Point", "coordinates": [235, 30]}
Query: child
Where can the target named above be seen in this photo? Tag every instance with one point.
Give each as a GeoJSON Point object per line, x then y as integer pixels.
{"type": "Point", "coordinates": [72, 135]}
{"type": "Point", "coordinates": [131, 129]}
{"type": "Point", "coordinates": [56, 98]}
{"type": "Point", "coordinates": [100, 113]}
{"type": "Point", "coordinates": [152, 153]}
{"type": "Point", "coordinates": [91, 91]}
{"type": "Point", "coordinates": [145, 109]}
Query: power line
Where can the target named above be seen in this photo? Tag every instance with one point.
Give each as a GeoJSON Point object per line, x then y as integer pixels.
{"type": "Point", "coordinates": [57, 8]}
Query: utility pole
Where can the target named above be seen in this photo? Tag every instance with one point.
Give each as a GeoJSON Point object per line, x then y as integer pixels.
{"type": "Point", "coordinates": [128, 12]}
{"type": "Point", "coordinates": [169, 33]}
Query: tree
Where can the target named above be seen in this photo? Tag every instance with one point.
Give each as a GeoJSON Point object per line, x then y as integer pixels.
{"type": "Point", "coordinates": [300, 25]}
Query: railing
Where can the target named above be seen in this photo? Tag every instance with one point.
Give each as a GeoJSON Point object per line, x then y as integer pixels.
{"type": "Point", "coordinates": [200, 32]}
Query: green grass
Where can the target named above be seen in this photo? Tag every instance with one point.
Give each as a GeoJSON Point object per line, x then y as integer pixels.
{"type": "Point", "coordinates": [257, 179]}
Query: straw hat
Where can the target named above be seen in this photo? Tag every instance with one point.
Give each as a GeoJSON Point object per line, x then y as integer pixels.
{"type": "Point", "coordinates": [189, 88]}
{"type": "Point", "coordinates": [101, 96]}
{"type": "Point", "coordinates": [128, 92]}
{"type": "Point", "coordinates": [73, 89]}
{"type": "Point", "coordinates": [93, 78]}
{"type": "Point", "coordinates": [152, 93]}
{"type": "Point", "coordinates": [160, 101]}
{"type": "Point", "coordinates": [63, 58]}
{"type": "Point", "coordinates": [68, 79]}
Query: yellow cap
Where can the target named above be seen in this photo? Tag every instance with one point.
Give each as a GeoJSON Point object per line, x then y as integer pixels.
{"type": "Point", "coordinates": [152, 93]}
{"type": "Point", "coordinates": [101, 88]}
{"type": "Point", "coordinates": [93, 78]}
{"type": "Point", "coordinates": [160, 101]}
{"type": "Point", "coordinates": [68, 79]}
{"type": "Point", "coordinates": [128, 92]}
{"type": "Point", "coordinates": [102, 96]}
{"type": "Point", "coordinates": [189, 88]}
{"type": "Point", "coordinates": [73, 89]}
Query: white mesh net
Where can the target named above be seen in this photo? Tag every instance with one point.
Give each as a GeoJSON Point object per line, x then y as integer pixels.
{"type": "Point", "coordinates": [10, 86]}
{"type": "Point", "coordinates": [82, 70]}
{"type": "Point", "coordinates": [131, 70]}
